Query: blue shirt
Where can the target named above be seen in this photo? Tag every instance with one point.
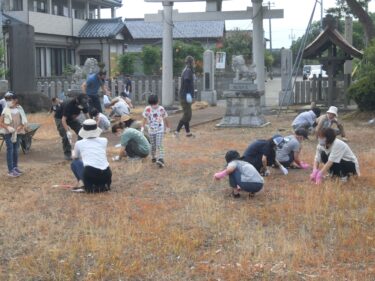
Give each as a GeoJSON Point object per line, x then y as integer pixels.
{"type": "Point", "coordinates": [93, 83]}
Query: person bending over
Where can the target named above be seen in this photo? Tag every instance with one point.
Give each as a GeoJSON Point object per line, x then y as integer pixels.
{"type": "Point", "coordinates": [336, 157]}
{"type": "Point", "coordinates": [242, 175]}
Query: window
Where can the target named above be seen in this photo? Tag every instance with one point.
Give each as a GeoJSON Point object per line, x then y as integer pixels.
{"type": "Point", "coordinates": [60, 8]}
{"type": "Point", "coordinates": [39, 6]}
{"type": "Point", "coordinates": [52, 61]}
{"type": "Point", "coordinates": [17, 5]}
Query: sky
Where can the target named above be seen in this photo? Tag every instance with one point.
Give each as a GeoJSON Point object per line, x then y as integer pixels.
{"type": "Point", "coordinates": [296, 15]}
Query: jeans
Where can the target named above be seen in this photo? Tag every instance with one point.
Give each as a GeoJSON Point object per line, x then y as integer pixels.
{"type": "Point", "coordinates": [12, 151]}
{"type": "Point", "coordinates": [65, 141]}
{"type": "Point", "coordinates": [235, 179]}
{"type": "Point", "coordinates": [94, 180]}
{"type": "Point", "coordinates": [342, 169]}
{"type": "Point", "coordinates": [94, 102]}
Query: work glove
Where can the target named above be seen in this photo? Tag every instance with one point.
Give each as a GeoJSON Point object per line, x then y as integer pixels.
{"type": "Point", "coordinates": [313, 174]}
{"type": "Point", "coordinates": [11, 129]}
{"type": "Point", "coordinates": [283, 170]}
{"type": "Point", "coordinates": [319, 177]}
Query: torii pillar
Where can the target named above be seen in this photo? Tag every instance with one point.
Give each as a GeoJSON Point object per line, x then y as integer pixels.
{"type": "Point", "coordinates": [258, 47]}
{"type": "Point", "coordinates": [167, 72]}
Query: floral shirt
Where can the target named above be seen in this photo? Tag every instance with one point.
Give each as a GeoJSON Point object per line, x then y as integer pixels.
{"type": "Point", "coordinates": [155, 118]}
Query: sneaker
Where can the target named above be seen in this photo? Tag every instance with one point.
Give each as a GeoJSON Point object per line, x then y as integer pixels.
{"type": "Point", "coordinates": [160, 163]}
{"type": "Point", "coordinates": [235, 195]}
{"type": "Point", "coordinates": [18, 170]}
{"type": "Point", "coordinates": [176, 134]}
{"type": "Point", "coordinates": [13, 174]}
{"type": "Point", "coordinates": [153, 160]}
{"type": "Point", "coordinates": [344, 179]}
{"type": "Point", "coordinates": [78, 189]}
{"type": "Point", "coordinates": [251, 194]}
{"type": "Point", "coordinates": [189, 135]}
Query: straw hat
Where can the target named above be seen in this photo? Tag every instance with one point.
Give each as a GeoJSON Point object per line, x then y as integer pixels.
{"type": "Point", "coordinates": [333, 110]}
{"type": "Point", "coordinates": [125, 117]}
{"type": "Point", "coordinates": [89, 129]}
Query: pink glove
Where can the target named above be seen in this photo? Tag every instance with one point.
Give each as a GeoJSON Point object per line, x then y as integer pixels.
{"type": "Point", "coordinates": [304, 165]}
{"type": "Point", "coordinates": [319, 177]}
{"type": "Point", "coordinates": [313, 174]}
{"type": "Point", "coordinates": [220, 175]}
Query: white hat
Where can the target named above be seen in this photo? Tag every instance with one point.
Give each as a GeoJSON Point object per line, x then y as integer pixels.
{"type": "Point", "coordinates": [333, 110]}
{"type": "Point", "coordinates": [89, 129]}
{"type": "Point", "coordinates": [8, 94]}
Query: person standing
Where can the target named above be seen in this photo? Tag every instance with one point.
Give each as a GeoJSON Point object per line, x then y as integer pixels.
{"type": "Point", "coordinates": [13, 120]}
{"type": "Point", "coordinates": [335, 155]}
{"type": "Point", "coordinates": [186, 96]}
{"type": "Point", "coordinates": [90, 166]}
{"type": "Point", "coordinates": [155, 115]}
{"type": "Point", "coordinates": [91, 87]}
{"type": "Point", "coordinates": [328, 120]}
{"type": "Point", "coordinates": [66, 116]}
{"type": "Point", "coordinates": [128, 86]}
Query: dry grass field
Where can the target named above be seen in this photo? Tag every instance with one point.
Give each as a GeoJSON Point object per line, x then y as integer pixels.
{"type": "Point", "coordinates": [177, 224]}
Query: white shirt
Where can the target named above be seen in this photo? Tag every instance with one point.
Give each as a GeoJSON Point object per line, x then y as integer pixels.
{"type": "Point", "coordinates": [155, 118]}
{"type": "Point", "coordinates": [93, 152]}
{"type": "Point", "coordinates": [3, 103]}
{"type": "Point", "coordinates": [120, 108]}
{"type": "Point", "coordinates": [338, 151]}
{"type": "Point", "coordinates": [103, 122]}
{"type": "Point", "coordinates": [308, 117]}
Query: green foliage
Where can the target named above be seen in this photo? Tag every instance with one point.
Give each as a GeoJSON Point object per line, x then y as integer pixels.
{"type": "Point", "coordinates": [238, 43]}
{"type": "Point", "coordinates": [3, 70]}
{"type": "Point", "coordinates": [181, 50]}
{"type": "Point", "coordinates": [363, 90]}
{"type": "Point", "coordinates": [341, 9]}
{"type": "Point", "coordinates": [363, 93]}
{"type": "Point", "coordinates": [69, 70]}
{"type": "Point", "coordinates": [151, 58]}
{"type": "Point", "coordinates": [125, 63]}
{"type": "Point", "coordinates": [268, 59]}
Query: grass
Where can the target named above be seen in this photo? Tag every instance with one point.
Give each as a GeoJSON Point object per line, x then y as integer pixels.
{"type": "Point", "coordinates": [177, 224]}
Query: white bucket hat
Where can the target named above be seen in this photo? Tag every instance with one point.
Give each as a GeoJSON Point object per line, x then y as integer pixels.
{"type": "Point", "coordinates": [89, 129]}
{"type": "Point", "coordinates": [333, 110]}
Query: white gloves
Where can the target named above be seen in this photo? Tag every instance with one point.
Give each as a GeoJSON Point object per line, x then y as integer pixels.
{"type": "Point", "coordinates": [69, 135]}
{"type": "Point", "coordinates": [267, 173]}
{"type": "Point", "coordinates": [116, 158]}
{"type": "Point", "coordinates": [283, 170]}
{"type": "Point", "coordinates": [11, 129]}
{"type": "Point", "coordinates": [142, 129]}
{"type": "Point", "coordinates": [167, 130]}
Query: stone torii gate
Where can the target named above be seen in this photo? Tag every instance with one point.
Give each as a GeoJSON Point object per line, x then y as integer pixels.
{"type": "Point", "coordinates": [213, 13]}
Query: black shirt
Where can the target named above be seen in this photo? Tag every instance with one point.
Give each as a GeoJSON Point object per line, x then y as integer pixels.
{"type": "Point", "coordinates": [70, 110]}
{"type": "Point", "coordinates": [257, 149]}
{"type": "Point", "coordinates": [187, 83]}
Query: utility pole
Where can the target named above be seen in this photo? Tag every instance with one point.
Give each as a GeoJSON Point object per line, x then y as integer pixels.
{"type": "Point", "coordinates": [1, 35]}
{"type": "Point", "coordinates": [292, 36]}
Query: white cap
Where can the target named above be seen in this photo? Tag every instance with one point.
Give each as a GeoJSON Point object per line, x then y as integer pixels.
{"type": "Point", "coordinates": [333, 110]}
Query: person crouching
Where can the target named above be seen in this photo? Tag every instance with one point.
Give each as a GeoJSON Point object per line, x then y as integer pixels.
{"type": "Point", "coordinates": [242, 175]}
{"type": "Point", "coordinates": [90, 165]}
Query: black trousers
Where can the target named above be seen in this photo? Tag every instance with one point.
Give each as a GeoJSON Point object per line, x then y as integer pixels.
{"type": "Point", "coordinates": [75, 125]}
{"type": "Point", "coordinates": [94, 102]}
{"type": "Point", "coordinates": [96, 180]}
{"type": "Point", "coordinates": [342, 169]}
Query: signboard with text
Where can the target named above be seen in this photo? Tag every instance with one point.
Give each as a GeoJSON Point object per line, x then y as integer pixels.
{"type": "Point", "coordinates": [220, 60]}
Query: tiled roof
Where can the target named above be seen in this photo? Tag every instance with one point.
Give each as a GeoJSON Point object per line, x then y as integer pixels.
{"type": "Point", "coordinates": [140, 29]}
{"type": "Point", "coordinates": [101, 28]}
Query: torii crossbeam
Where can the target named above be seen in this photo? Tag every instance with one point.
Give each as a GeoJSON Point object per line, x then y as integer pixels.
{"type": "Point", "coordinates": [213, 13]}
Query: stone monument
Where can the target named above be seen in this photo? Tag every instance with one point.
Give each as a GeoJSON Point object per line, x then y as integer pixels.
{"type": "Point", "coordinates": [285, 94]}
{"type": "Point", "coordinates": [243, 98]}
{"type": "Point", "coordinates": [80, 74]}
{"type": "Point", "coordinates": [208, 93]}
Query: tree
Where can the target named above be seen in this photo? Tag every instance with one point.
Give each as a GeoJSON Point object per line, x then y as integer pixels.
{"type": "Point", "coordinates": [151, 58]}
{"type": "Point", "coordinates": [238, 42]}
{"type": "Point", "coordinates": [363, 90]}
{"type": "Point", "coordinates": [357, 8]}
{"type": "Point", "coordinates": [125, 63]}
{"type": "Point", "coordinates": [181, 50]}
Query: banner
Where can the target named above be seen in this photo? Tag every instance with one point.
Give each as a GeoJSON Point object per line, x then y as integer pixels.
{"type": "Point", "coordinates": [220, 60]}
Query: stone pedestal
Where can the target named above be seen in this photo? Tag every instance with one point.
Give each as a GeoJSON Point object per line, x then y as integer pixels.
{"type": "Point", "coordinates": [243, 107]}
{"type": "Point", "coordinates": [210, 97]}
